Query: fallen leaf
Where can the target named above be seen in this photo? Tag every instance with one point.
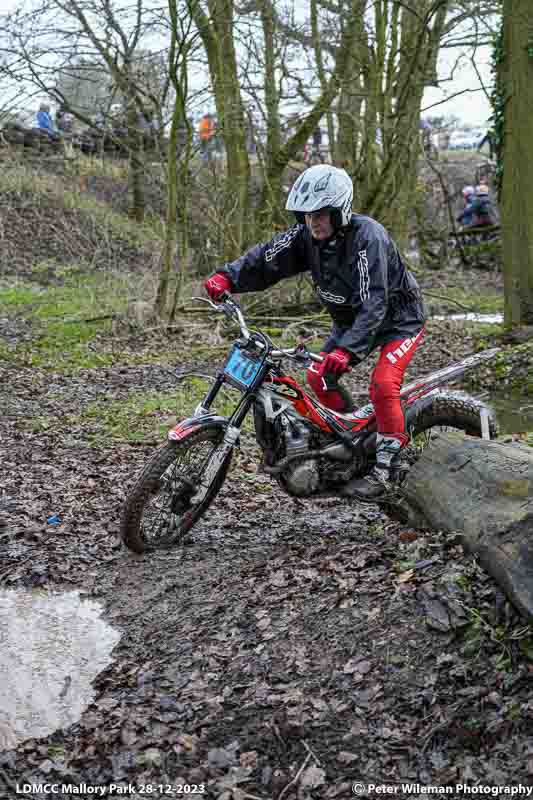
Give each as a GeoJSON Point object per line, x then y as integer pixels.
{"type": "Point", "coordinates": [403, 577]}
{"type": "Point", "coordinates": [312, 777]}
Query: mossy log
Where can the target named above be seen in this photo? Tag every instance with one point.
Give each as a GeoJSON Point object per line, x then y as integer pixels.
{"type": "Point", "coordinates": [484, 490]}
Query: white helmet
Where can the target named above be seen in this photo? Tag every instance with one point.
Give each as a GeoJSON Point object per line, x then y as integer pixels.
{"type": "Point", "coordinates": [322, 186]}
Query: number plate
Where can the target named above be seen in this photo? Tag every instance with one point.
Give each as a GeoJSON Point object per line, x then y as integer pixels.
{"type": "Point", "coordinates": [242, 369]}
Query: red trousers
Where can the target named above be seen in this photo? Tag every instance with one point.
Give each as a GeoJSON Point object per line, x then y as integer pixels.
{"type": "Point", "coordinates": [384, 390]}
{"type": "Point", "coordinates": [386, 382]}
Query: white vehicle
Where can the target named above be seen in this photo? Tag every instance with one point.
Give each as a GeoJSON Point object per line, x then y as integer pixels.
{"type": "Point", "coordinates": [465, 140]}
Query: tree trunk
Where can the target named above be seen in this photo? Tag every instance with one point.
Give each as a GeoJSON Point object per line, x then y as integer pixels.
{"type": "Point", "coordinates": [484, 490]}
{"type": "Point", "coordinates": [177, 173]}
{"type": "Point", "coordinates": [278, 161]}
{"type": "Point", "coordinates": [381, 149]}
{"type": "Point", "coordinates": [517, 196]}
{"type": "Point", "coordinates": [216, 31]}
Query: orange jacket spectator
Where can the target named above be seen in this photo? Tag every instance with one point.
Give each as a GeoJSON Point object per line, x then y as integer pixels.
{"type": "Point", "coordinates": [206, 128]}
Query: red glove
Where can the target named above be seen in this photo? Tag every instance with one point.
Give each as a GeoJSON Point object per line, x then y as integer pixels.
{"type": "Point", "coordinates": [335, 363]}
{"type": "Point", "coordinates": [216, 285]}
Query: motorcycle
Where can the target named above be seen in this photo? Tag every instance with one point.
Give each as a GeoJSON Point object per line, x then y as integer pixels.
{"type": "Point", "coordinates": [308, 449]}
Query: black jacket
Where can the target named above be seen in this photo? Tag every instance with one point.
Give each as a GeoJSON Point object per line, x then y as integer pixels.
{"type": "Point", "coordinates": [359, 276]}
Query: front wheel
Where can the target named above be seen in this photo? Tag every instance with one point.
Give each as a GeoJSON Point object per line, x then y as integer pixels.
{"type": "Point", "coordinates": [159, 511]}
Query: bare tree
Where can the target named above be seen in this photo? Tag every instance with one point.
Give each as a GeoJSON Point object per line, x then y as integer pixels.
{"type": "Point", "coordinates": [182, 43]}
{"type": "Point", "coordinates": [56, 36]}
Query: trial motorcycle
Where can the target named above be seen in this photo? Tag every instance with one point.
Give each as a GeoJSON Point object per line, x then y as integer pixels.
{"type": "Point", "coordinates": [310, 450]}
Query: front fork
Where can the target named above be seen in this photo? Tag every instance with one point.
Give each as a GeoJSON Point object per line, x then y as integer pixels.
{"type": "Point", "coordinates": [215, 463]}
{"type": "Point", "coordinates": [231, 438]}
{"type": "Point", "coordinates": [203, 407]}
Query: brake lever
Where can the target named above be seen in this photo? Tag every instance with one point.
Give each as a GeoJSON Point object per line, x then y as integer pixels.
{"type": "Point", "coordinates": [214, 306]}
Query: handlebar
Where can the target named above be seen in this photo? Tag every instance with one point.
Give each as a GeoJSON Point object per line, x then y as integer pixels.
{"type": "Point", "coordinates": [231, 309]}
{"type": "Point", "coordinates": [297, 354]}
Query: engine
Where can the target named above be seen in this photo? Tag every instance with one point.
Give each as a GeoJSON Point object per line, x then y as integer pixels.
{"type": "Point", "coordinates": [313, 461]}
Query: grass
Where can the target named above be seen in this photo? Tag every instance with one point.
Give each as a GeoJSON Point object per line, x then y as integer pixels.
{"type": "Point", "coordinates": [148, 416]}
{"type": "Point", "coordinates": [467, 302]}
{"type": "Point", "coordinates": [42, 190]}
{"type": "Point", "coordinates": [64, 319]}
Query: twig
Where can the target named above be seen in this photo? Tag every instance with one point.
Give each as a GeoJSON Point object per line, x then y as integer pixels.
{"type": "Point", "coordinates": [317, 760]}
{"type": "Point", "coordinates": [458, 706]}
{"type": "Point", "coordinates": [184, 375]}
{"type": "Point", "coordinates": [296, 320]}
{"type": "Point", "coordinates": [445, 351]}
{"type": "Point", "coordinates": [92, 319]}
{"type": "Point", "coordinates": [296, 777]}
{"type": "Point", "coordinates": [450, 300]}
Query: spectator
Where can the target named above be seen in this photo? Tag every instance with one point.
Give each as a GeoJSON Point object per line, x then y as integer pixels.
{"type": "Point", "coordinates": [64, 119]}
{"type": "Point", "coordinates": [206, 133]}
{"type": "Point", "coordinates": [466, 216]}
{"type": "Point", "coordinates": [426, 130]}
{"type": "Point", "coordinates": [44, 121]}
{"type": "Point", "coordinates": [482, 209]}
{"type": "Point", "coordinates": [99, 119]}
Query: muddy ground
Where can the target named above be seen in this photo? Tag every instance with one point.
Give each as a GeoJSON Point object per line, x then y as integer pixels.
{"type": "Point", "coordinates": [288, 649]}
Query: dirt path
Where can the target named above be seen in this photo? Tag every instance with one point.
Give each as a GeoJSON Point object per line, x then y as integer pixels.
{"type": "Point", "coordinates": [287, 650]}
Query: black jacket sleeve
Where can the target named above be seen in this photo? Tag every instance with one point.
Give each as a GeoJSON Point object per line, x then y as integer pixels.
{"type": "Point", "coordinates": [370, 292]}
{"type": "Point", "coordinates": [266, 264]}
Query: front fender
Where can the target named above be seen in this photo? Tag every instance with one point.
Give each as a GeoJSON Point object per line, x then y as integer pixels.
{"type": "Point", "coordinates": [192, 424]}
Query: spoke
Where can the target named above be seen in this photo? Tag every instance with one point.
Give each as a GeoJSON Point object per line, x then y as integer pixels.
{"type": "Point", "coordinates": [162, 514]}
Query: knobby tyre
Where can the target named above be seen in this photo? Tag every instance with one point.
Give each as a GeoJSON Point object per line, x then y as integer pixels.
{"type": "Point", "coordinates": [158, 513]}
{"type": "Point", "coordinates": [440, 412]}
{"type": "Point", "coordinates": [459, 412]}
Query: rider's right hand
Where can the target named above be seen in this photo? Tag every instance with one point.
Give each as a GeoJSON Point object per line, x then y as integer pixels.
{"type": "Point", "coordinates": [216, 285]}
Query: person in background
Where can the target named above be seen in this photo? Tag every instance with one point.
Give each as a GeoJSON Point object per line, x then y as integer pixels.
{"type": "Point", "coordinates": [467, 214]}
{"type": "Point", "coordinates": [426, 131]}
{"type": "Point", "coordinates": [206, 133]}
{"type": "Point", "coordinates": [482, 210]}
{"type": "Point", "coordinates": [64, 119]}
{"type": "Point", "coordinates": [44, 121]}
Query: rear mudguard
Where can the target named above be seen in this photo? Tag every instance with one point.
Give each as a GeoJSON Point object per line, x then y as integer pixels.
{"type": "Point", "coordinates": [192, 424]}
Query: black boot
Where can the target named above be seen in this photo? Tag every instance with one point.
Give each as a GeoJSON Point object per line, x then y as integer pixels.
{"type": "Point", "coordinates": [379, 481]}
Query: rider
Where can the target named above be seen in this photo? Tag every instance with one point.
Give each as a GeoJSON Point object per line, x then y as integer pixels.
{"type": "Point", "coordinates": [363, 283]}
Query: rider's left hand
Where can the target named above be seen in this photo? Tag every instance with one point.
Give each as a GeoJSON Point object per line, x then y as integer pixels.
{"type": "Point", "coordinates": [335, 363]}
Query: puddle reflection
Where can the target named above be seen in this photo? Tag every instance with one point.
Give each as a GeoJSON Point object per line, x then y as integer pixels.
{"type": "Point", "coordinates": [52, 646]}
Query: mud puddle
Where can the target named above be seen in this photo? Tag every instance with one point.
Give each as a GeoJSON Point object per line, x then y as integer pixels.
{"type": "Point", "coordinates": [52, 646]}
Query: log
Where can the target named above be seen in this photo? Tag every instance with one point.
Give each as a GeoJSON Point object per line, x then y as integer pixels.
{"type": "Point", "coordinates": [483, 490]}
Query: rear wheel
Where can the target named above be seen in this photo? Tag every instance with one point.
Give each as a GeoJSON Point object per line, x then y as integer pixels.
{"type": "Point", "coordinates": [436, 412]}
{"type": "Point", "coordinates": [454, 411]}
{"type": "Point", "coordinates": [158, 511]}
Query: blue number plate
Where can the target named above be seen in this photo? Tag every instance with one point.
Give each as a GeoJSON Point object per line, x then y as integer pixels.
{"type": "Point", "coordinates": [242, 369]}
